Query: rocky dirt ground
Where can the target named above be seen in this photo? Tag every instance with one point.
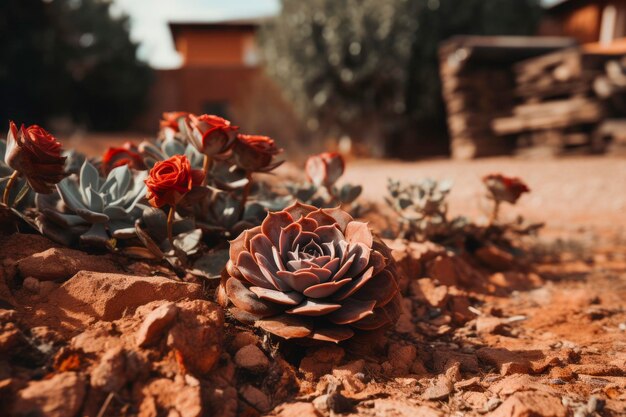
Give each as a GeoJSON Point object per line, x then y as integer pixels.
{"type": "Point", "coordinates": [540, 335]}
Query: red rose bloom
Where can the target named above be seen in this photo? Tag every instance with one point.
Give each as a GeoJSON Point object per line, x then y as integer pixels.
{"type": "Point", "coordinates": [503, 188]}
{"type": "Point", "coordinates": [169, 181]}
{"type": "Point", "coordinates": [255, 153]}
{"type": "Point", "coordinates": [209, 134]}
{"type": "Point", "coordinates": [128, 154]}
{"type": "Point", "coordinates": [171, 119]}
{"type": "Point", "coordinates": [35, 154]}
{"type": "Point", "coordinates": [325, 169]}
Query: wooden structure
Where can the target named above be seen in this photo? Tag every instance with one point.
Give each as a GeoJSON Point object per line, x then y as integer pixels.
{"type": "Point", "coordinates": [478, 86]}
{"type": "Point", "coordinates": [557, 108]}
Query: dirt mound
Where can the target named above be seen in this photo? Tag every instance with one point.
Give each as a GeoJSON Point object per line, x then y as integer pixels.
{"type": "Point", "coordinates": [471, 341]}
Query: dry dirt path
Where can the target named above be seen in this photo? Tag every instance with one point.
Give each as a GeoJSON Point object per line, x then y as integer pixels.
{"type": "Point", "coordinates": [567, 193]}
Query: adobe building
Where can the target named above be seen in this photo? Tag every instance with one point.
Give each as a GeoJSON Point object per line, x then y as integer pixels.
{"type": "Point", "coordinates": [588, 21]}
{"type": "Point", "coordinates": [221, 74]}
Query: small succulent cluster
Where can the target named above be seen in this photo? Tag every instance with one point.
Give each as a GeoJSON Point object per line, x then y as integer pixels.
{"type": "Point", "coordinates": [422, 210]}
{"type": "Point", "coordinates": [321, 190]}
{"type": "Point", "coordinates": [307, 272]}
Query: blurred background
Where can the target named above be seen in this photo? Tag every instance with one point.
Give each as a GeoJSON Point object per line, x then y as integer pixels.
{"type": "Point", "coordinates": [375, 78]}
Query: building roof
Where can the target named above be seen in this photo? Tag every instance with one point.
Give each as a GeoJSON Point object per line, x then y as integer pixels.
{"type": "Point", "coordinates": [234, 24]}
{"type": "Point", "coordinates": [505, 48]}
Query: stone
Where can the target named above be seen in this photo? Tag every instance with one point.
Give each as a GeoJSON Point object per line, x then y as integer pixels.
{"type": "Point", "coordinates": [155, 324]}
{"type": "Point", "coordinates": [489, 325]}
{"type": "Point", "coordinates": [396, 408]}
{"type": "Point", "coordinates": [20, 245]}
{"type": "Point", "coordinates": [401, 357]}
{"type": "Point", "coordinates": [299, 409]}
{"type": "Point", "coordinates": [60, 396]}
{"type": "Point", "coordinates": [351, 376]}
{"type": "Point", "coordinates": [441, 389]}
{"type": "Point", "coordinates": [441, 357]}
{"type": "Point", "coordinates": [62, 263]}
{"type": "Point", "coordinates": [243, 338]}
{"type": "Point", "coordinates": [252, 358]}
{"type": "Point", "coordinates": [31, 284]}
{"type": "Point", "coordinates": [495, 258]}
{"type": "Point", "coordinates": [197, 334]}
{"type": "Point", "coordinates": [256, 398]}
{"type": "Point", "coordinates": [443, 269]}
{"type": "Point", "coordinates": [426, 289]}
{"type": "Point", "coordinates": [107, 297]}
{"type": "Point", "coordinates": [530, 404]}
{"type": "Point", "coordinates": [320, 361]}
{"type": "Point", "coordinates": [110, 373]}
{"type": "Point", "coordinates": [168, 397]}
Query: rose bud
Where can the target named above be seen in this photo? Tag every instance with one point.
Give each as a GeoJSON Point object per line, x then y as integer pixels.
{"type": "Point", "coordinates": [35, 154]}
{"type": "Point", "coordinates": [128, 154]}
{"type": "Point", "coordinates": [171, 120]}
{"type": "Point", "coordinates": [255, 153]}
{"type": "Point", "coordinates": [209, 134]}
{"type": "Point", "coordinates": [325, 169]}
{"type": "Point", "coordinates": [169, 181]}
{"type": "Point", "coordinates": [503, 188]}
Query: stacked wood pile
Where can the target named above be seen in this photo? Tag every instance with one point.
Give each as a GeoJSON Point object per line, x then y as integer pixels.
{"type": "Point", "coordinates": [611, 86]}
{"type": "Point", "coordinates": [474, 95]}
{"type": "Point", "coordinates": [557, 108]}
{"type": "Point", "coordinates": [478, 86]}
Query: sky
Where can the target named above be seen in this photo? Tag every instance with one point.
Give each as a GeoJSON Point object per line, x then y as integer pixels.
{"type": "Point", "coordinates": [149, 20]}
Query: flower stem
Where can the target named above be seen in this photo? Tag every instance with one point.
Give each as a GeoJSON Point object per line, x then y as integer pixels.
{"type": "Point", "coordinates": [206, 167]}
{"type": "Point", "coordinates": [7, 190]}
{"type": "Point", "coordinates": [170, 221]}
{"type": "Point", "coordinates": [246, 194]}
{"type": "Point", "coordinates": [494, 213]}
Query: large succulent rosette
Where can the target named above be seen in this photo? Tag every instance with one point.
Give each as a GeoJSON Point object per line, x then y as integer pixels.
{"type": "Point", "coordinates": [311, 273]}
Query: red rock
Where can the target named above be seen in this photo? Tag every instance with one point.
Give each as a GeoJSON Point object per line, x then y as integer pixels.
{"type": "Point", "coordinates": [197, 334]}
{"type": "Point", "coordinates": [299, 409]}
{"type": "Point", "coordinates": [401, 357]}
{"type": "Point", "coordinates": [62, 263]}
{"type": "Point", "coordinates": [110, 373]}
{"type": "Point", "coordinates": [243, 338]}
{"type": "Point", "coordinates": [443, 269]}
{"type": "Point", "coordinates": [18, 245]}
{"type": "Point", "coordinates": [155, 324]}
{"type": "Point", "coordinates": [60, 396]}
{"type": "Point", "coordinates": [442, 357]}
{"type": "Point", "coordinates": [256, 398]}
{"type": "Point", "coordinates": [167, 397]}
{"type": "Point", "coordinates": [396, 408]}
{"type": "Point", "coordinates": [441, 389]}
{"type": "Point", "coordinates": [108, 296]}
{"type": "Point", "coordinates": [495, 258]}
{"type": "Point", "coordinates": [320, 361]}
{"type": "Point", "coordinates": [489, 325]}
{"type": "Point", "coordinates": [252, 358]}
{"type": "Point", "coordinates": [530, 404]}
{"type": "Point", "coordinates": [426, 289]}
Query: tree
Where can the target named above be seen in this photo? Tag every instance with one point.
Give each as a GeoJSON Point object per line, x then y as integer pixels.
{"type": "Point", "coordinates": [369, 68]}
{"type": "Point", "coordinates": [69, 57]}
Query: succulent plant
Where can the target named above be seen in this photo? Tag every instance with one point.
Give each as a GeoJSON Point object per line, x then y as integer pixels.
{"type": "Point", "coordinates": [163, 149]}
{"type": "Point", "coordinates": [311, 273]}
{"type": "Point", "coordinates": [423, 209]}
{"type": "Point", "coordinates": [93, 208]}
{"type": "Point", "coordinates": [26, 200]}
{"type": "Point", "coordinates": [322, 172]}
